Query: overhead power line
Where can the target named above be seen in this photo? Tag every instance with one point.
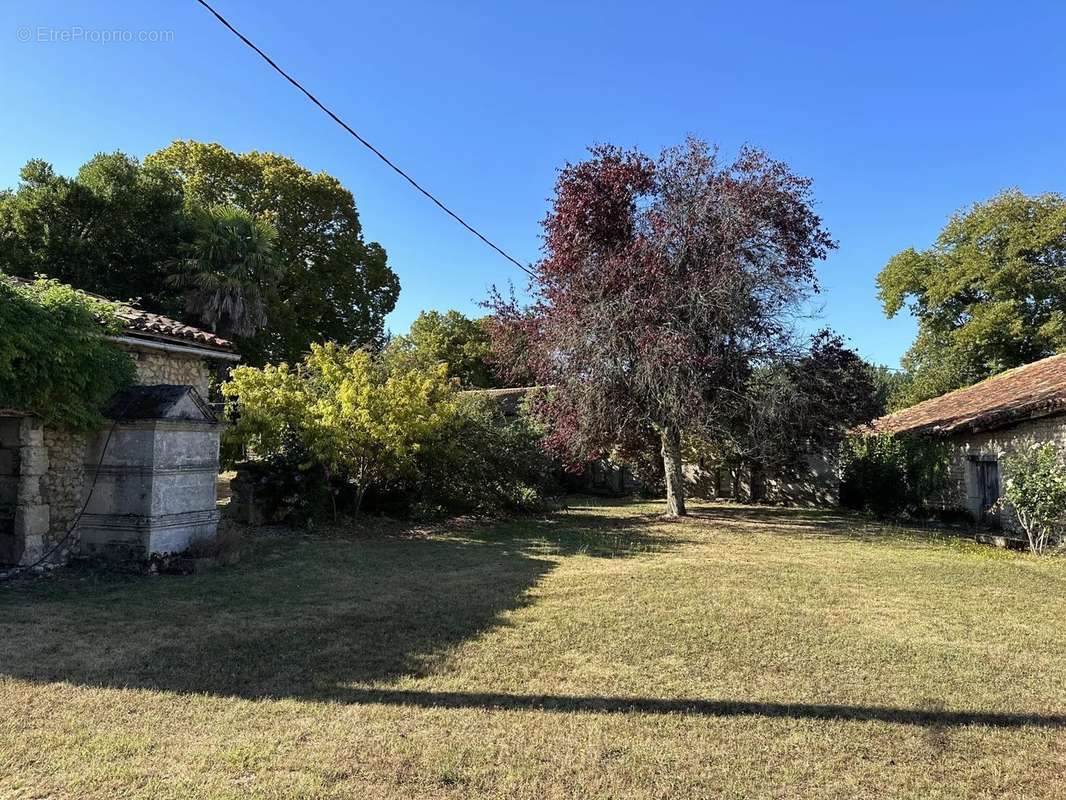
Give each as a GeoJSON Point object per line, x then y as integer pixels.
{"type": "Point", "coordinates": [363, 141]}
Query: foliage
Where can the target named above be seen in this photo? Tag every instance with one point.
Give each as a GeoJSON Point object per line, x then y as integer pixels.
{"type": "Point", "coordinates": [805, 404]}
{"type": "Point", "coordinates": [55, 361]}
{"type": "Point", "coordinates": [481, 463]}
{"type": "Point", "coordinates": [361, 422]}
{"type": "Point", "coordinates": [228, 272]}
{"type": "Point", "coordinates": [1036, 491]}
{"type": "Point", "coordinates": [664, 285]}
{"type": "Point", "coordinates": [118, 227]}
{"type": "Point", "coordinates": [892, 476]}
{"type": "Point", "coordinates": [890, 388]}
{"type": "Point", "coordinates": [451, 338]}
{"type": "Point", "coordinates": [111, 229]}
{"type": "Point", "coordinates": [989, 295]}
{"type": "Point", "coordinates": [334, 285]}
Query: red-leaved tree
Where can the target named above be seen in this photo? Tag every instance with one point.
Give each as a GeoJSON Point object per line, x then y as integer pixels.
{"type": "Point", "coordinates": [665, 284]}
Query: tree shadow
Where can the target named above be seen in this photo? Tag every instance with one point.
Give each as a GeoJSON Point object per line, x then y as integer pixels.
{"type": "Point", "coordinates": [321, 617]}
{"type": "Point", "coordinates": [825, 523]}
{"type": "Point", "coordinates": [936, 717]}
{"type": "Point", "coordinates": [301, 614]}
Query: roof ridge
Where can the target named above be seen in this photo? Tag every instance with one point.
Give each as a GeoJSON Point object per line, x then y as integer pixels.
{"type": "Point", "coordinates": [986, 400]}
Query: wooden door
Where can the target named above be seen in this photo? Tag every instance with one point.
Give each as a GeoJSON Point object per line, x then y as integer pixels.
{"type": "Point", "coordinates": [988, 487]}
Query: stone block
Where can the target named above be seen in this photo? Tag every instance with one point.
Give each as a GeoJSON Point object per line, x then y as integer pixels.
{"type": "Point", "coordinates": [29, 490]}
{"type": "Point", "coordinates": [32, 550]}
{"type": "Point", "coordinates": [31, 521]}
{"type": "Point", "coordinates": [33, 460]}
{"type": "Point", "coordinates": [31, 432]}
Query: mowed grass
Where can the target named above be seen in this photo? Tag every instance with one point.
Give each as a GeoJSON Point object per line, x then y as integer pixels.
{"type": "Point", "coordinates": [601, 653]}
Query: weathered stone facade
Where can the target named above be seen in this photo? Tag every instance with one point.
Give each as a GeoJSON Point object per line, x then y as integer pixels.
{"type": "Point", "coordinates": [156, 367]}
{"type": "Point", "coordinates": [63, 484]}
{"type": "Point", "coordinates": [154, 465]}
{"type": "Point", "coordinates": [45, 474]}
{"type": "Point", "coordinates": [967, 450]}
{"type": "Point", "coordinates": [815, 481]}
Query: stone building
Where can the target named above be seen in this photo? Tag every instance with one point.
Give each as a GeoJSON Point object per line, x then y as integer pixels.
{"type": "Point", "coordinates": [146, 483]}
{"type": "Point", "coordinates": [985, 423]}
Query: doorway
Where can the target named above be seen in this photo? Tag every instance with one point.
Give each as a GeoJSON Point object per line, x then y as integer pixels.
{"type": "Point", "coordinates": [986, 476]}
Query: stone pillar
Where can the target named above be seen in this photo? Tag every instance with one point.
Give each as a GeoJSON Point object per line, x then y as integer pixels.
{"type": "Point", "coordinates": [24, 462]}
{"type": "Point", "coordinates": [32, 515]}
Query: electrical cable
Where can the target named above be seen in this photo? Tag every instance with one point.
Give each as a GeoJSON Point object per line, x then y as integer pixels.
{"type": "Point", "coordinates": [363, 141]}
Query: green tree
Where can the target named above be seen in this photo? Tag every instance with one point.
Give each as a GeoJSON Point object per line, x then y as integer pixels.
{"type": "Point", "coordinates": [890, 387]}
{"type": "Point", "coordinates": [453, 339]}
{"type": "Point", "coordinates": [229, 272]}
{"type": "Point", "coordinates": [989, 295]}
{"type": "Point", "coordinates": [110, 230]}
{"type": "Point", "coordinates": [363, 422]}
{"type": "Point", "coordinates": [333, 285]}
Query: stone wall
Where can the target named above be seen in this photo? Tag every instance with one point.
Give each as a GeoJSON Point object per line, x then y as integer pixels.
{"type": "Point", "coordinates": [63, 483]}
{"type": "Point", "coordinates": [813, 482]}
{"type": "Point", "coordinates": [156, 366]}
{"type": "Point", "coordinates": [962, 491]}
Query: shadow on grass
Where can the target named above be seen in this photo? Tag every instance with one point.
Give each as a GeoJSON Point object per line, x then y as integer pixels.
{"type": "Point", "coordinates": [302, 614]}
{"type": "Point", "coordinates": [312, 617]}
{"type": "Point", "coordinates": [936, 718]}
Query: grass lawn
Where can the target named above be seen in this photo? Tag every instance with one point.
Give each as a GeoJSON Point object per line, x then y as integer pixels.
{"type": "Point", "coordinates": [600, 653]}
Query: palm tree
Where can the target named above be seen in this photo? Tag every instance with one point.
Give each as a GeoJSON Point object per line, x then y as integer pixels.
{"type": "Point", "coordinates": [228, 271]}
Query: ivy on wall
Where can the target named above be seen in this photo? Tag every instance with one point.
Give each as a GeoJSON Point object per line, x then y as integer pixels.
{"type": "Point", "coordinates": [55, 360]}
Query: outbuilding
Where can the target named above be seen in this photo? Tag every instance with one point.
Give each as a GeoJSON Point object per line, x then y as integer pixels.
{"type": "Point", "coordinates": [146, 483]}
{"type": "Point", "coordinates": [982, 425]}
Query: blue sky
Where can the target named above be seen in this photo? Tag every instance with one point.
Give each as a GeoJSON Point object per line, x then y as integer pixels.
{"type": "Point", "coordinates": [901, 114]}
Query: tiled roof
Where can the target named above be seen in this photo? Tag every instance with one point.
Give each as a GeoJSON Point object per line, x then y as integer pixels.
{"type": "Point", "coordinates": [1035, 390]}
{"type": "Point", "coordinates": [154, 326]}
{"type": "Point", "coordinates": [136, 321]}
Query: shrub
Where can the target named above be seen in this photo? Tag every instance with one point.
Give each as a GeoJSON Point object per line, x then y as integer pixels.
{"type": "Point", "coordinates": [360, 421]}
{"type": "Point", "coordinates": [892, 476]}
{"type": "Point", "coordinates": [347, 430]}
{"type": "Point", "coordinates": [55, 360]}
{"type": "Point", "coordinates": [1036, 491]}
{"type": "Point", "coordinates": [482, 463]}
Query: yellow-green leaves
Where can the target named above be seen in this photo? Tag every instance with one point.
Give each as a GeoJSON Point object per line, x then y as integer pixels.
{"type": "Point", "coordinates": [360, 419]}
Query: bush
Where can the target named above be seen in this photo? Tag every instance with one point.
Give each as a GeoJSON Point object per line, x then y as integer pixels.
{"type": "Point", "coordinates": [347, 430]}
{"type": "Point", "coordinates": [55, 360]}
{"type": "Point", "coordinates": [360, 421]}
{"type": "Point", "coordinates": [482, 463]}
{"type": "Point", "coordinates": [1036, 491]}
{"type": "Point", "coordinates": [892, 476]}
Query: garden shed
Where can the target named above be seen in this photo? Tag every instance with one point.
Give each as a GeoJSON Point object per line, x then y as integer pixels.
{"type": "Point", "coordinates": [158, 473]}
{"type": "Point", "coordinates": [984, 424]}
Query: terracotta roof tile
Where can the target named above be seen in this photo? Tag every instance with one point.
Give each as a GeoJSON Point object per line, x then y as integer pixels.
{"type": "Point", "coordinates": [1034, 390]}
{"type": "Point", "coordinates": [137, 321]}
{"type": "Point", "coordinates": [154, 326]}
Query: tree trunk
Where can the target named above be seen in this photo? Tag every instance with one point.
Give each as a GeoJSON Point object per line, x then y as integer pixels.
{"type": "Point", "coordinates": [675, 480]}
